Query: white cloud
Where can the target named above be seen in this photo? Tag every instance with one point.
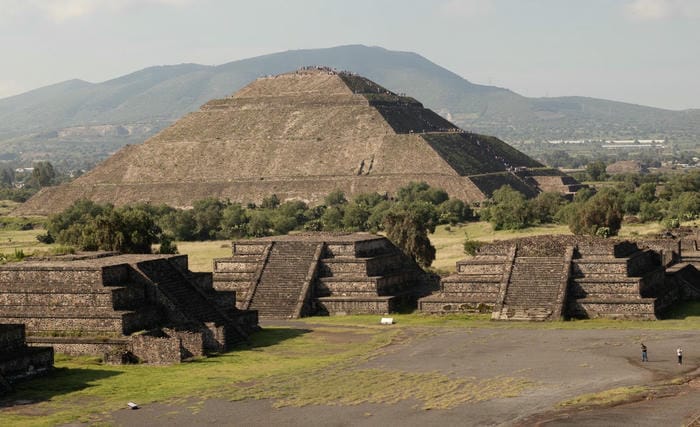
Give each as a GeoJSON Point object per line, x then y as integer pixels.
{"type": "Point", "coordinates": [466, 8]}
{"type": "Point", "coordinates": [65, 10]}
{"type": "Point", "coordinates": [655, 10]}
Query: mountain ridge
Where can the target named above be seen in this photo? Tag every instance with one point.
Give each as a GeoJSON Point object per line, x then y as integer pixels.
{"type": "Point", "coordinates": [155, 96]}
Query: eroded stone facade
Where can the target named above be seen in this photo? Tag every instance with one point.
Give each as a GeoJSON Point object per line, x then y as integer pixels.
{"type": "Point", "coordinates": [102, 303]}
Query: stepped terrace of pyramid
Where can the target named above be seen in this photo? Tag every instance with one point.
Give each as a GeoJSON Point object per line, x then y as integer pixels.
{"type": "Point", "coordinates": [554, 277]}
{"type": "Point", "coordinates": [147, 306]}
{"type": "Point", "coordinates": [302, 135]}
{"type": "Point", "coordinates": [285, 277]}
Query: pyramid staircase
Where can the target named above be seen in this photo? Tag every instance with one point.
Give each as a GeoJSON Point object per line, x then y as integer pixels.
{"type": "Point", "coordinates": [285, 279]}
{"type": "Point", "coordinates": [193, 304]}
{"type": "Point", "coordinates": [534, 289]}
{"type": "Point", "coordinates": [320, 273]}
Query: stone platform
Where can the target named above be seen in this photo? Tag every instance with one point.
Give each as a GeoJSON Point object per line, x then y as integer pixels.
{"type": "Point", "coordinates": [98, 303]}
{"type": "Point", "coordinates": [320, 273]}
{"type": "Point", "coordinates": [554, 277]}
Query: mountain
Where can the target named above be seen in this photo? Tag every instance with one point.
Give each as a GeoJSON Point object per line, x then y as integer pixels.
{"type": "Point", "coordinates": [83, 122]}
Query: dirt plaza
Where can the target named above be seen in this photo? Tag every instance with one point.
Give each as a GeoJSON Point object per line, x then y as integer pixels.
{"type": "Point", "coordinates": [520, 375]}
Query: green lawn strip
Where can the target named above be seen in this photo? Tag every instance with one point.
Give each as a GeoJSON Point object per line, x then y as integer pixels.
{"type": "Point", "coordinates": [81, 389]}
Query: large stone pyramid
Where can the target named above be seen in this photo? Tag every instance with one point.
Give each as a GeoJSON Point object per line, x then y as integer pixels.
{"type": "Point", "coordinates": [301, 135]}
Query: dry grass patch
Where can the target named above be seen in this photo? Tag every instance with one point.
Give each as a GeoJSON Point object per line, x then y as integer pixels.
{"type": "Point", "coordinates": [606, 398]}
{"type": "Point", "coordinates": [201, 254]}
{"type": "Point", "coordinates": [343, 385]}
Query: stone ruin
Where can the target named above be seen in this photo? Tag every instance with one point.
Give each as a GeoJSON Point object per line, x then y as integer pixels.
{"type": "Point", "coordinates": [151, 308]}
{"type": "Point", "coordinates": [554, 277]}
{"type": "Point", "coordinates": [320, 273]}
{"type": "Point", "coordinates": [19, 361]}
{"type": "Point", "coordinates": [148, 307]}
{"type": "Point", "coordinates": [301, 135]}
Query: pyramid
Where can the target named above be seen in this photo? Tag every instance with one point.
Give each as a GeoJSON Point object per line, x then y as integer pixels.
{"type": "Point", "coordinates": [301, 135]}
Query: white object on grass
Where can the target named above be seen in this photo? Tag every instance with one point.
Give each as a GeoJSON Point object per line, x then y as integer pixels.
{"type": "Point", "coordinates": [387, 321]}
{"type": "Point", "coordinates": [132, 405]}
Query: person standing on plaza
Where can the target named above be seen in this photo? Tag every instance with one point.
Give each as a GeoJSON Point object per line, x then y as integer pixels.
{"type": "Point", "coordinates": [679, 353]}
{"type": "Point", "coordinates": [644, 353]}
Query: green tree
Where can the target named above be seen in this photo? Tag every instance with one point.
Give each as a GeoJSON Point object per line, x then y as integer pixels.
{"type": "Point", "coordinates": [332, 218]}
{"type": "Point", "coordinates": [407, 230]}
{"type": "Point", "coordinates": [601, 215]}
{"type": "Point", "coordinates": [421, 191]}
{"type": "Point", "coordinates": [43, 175]}
{"type": "Point", "coordinates": [259, 224]}
{"type": "Point", "coordinates": [546, 205]}
{"type": "Point", "coordinates": [207, 215]}
{"type": "Point", "coordinates": [271, 202]}
{"type": "Point", "coordinates": [509, 210]}
{"type": "Point", "coordinates": [335, 198]}
{"type": "Point", "coordinates": [452, 211]}
{"type": "Point", "coordinates": [684, 206]}
{"type": "Point", "coordinates": [596, 170]}
{"type": "Point", "coordinates": [234, 221]}
{"type": "Point", "coordinates": [7, 178]}
{"type": "Point", "coordinates": [181, 224]}
{"type": "Point", "coordinates": [355, 216]}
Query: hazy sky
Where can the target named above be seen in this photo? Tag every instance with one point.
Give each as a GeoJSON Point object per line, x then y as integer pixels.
{"type": "Point", "coordinates": [639, 51]}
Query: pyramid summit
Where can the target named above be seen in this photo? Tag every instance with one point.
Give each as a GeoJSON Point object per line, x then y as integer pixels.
{"type": "Point", "coordinates": [301, 135]}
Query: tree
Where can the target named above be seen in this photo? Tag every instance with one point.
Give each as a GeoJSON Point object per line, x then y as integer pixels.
{"type": "Point", "coordinates": [596, 170]}
{"type": "Point", "coordinates": [7, 178]}
{"type": "Point", "coordinates": [181, 224]}
{"type": "Point", "coordinates": [408, 231]}
{"type": "Point", "coordinates": [332, 219]}
{"type": "Point", "coordinates": [43, 175]}
{"type": "Point", "coordinates": [259, 224]}
{"type": "Point", "coordinates": [509, 210]}
{"type": "Point", "coordinates": [453, 211]}
{"type": "Point", "coordinates": [90, 226]}
{"type": "Point", "coordinates": [207, 214]}
{"type": "Point", "coordinates": [601, 215]}
{"type": "Point", "coordinates": [355, 216]}
{"type": "Point", "coordinates": [335, 198]}
{"type": "Point", "coordinates": [421, 191]}
{"type": "Point", "coordinates": [234, 221]}
{"type": "Point", "coordinates": [546, 206]}
{"type": "Point", "coordinates": [685, 206]}
{"type": "Point", "coordinates": [270, 202]}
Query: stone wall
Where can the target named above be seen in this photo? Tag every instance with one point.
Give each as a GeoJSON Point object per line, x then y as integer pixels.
{"type": "Point", "coordinates": [19, 361]}
{"type": "Point", "coordinates": [356, 305]}
{"type": "Point", "coordinates": [155, 350]}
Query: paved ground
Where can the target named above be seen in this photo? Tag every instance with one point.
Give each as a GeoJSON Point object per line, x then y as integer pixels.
{"type": "Point", "coordinates": [561, 364]}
